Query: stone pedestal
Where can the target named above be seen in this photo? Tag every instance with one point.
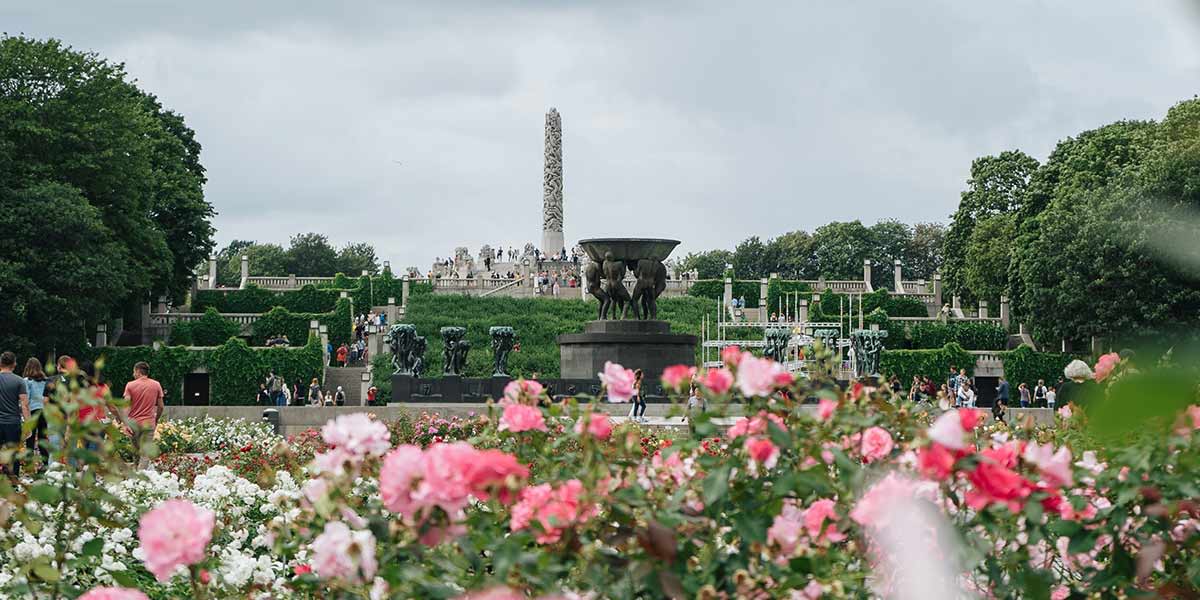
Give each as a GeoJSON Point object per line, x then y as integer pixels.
{"type": "Point", "coordinates": [646, 345]}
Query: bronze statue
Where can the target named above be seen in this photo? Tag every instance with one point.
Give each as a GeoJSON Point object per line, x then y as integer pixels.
{"type": "Point", "coordinates": [594, 275]}
{"type": "Point", "coordinates": [651, 281]}
{"type": "Point", "coordinates": [407, 349]}
{"type": "Point", "coordinates": [777, 342]}
{"type": "Point", "coordinates": [614, 276]}
{"type": "Point", "coordinates": [503, 341]}
{"type": "Point", "coordinates": [454, 350]}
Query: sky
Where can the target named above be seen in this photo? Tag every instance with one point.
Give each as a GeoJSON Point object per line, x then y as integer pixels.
{"type": "Point", "coordinates": [418, 127]}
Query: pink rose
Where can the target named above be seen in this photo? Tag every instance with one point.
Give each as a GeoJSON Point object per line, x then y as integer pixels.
{"type": "Point", "coordinates": [731, 355]}
{"type": "Point", "coordinates": [113, 593]}
{"type": "Point", "coordinates": [813, 591]}
{"type": "Point", "coordinates": [1065, 412]}
{"type": "Point", "coordinates": [876, 444]}
{"type": "Point", "coordinates": [874, 508]}
{"type": "Point", "coordinates": [618, 381]}
{"type": "Point", "coordinates": [553, 509]}
{"type": "Point", "coordinates": [1055, 467]}
{"type": "Point", "coordinates": [947, 430]}
{"type": "Point", "coordinates": [935, 462]}
{"type": "Point", "coordinates": [493, 472]}
{"type": "Point", "coordinates": [969, 418]}
{"type": "Point", "coordinates": [717, 381]}
{"type": "Point", "coordinates": [754, 426]}
{"type": "Point", "coordinates": [446, 483]}
{"type": "Point", "coordinates": [522, 417]}
{"type": "Point", "coordinates": [595, 424]}
{"type": "Point", "coordinates": [494, 593]}
{"type": "Point", "coordinates": [993, 483]}
{"type": "Point", "coordinates": [358, 435]}
{"type": "Point", "coordinates": [826, 408]}
{"type": "Point", "coordinates": [675, 376]}
{"type": "Point", "coordinates": [340, 553]}
{"type": "Point", "coordinates": [174, 534]}
{"type": "Point", "coordinates": [1105, 365]}
{"type": "Point", "coordinates": [787, 528]}
{"type": "Point", "coordinates": [402, 470]}
{"type": "Point", "coordinates": [1193, 413]}
{"type": "Point", "coordinates": [522, 391]}
{"type": "Point", "coordinates": [1060, 593]}
{"type": "Point", "coordinates": [816, 515]}
{"type": "Point", "coordinates": [763, 452]}
{"type": "Point", "coordinates": [756, 376]}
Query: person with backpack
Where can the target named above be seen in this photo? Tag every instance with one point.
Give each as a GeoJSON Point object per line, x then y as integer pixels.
{"type": "Point", "coordinates": [274, 386]}
{"type": "Point", "coordinates": [35, 388]}
{"type": "Point", "coordinates": [1039, 394]}
{"type": "Point", "coordinates": [14, 409]}
{"type": "Point", "coordinates": [339, 397]}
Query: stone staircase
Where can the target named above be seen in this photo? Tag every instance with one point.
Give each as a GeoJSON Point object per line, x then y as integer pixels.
{"type": "Point", "coordinates": [350, 378]}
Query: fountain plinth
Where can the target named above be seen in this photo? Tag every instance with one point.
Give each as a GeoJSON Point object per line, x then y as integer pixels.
{"type": "Point", "coordinates": [645, 342]}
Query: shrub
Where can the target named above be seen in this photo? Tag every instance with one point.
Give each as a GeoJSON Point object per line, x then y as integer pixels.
{"type": "Point", "coordinates": [212, 329]}
{"type": "Point", "coordinates": [1025, 365]}
{"type": "Point", "coordinates": [714, 289]}
{"type": "Point", "coordinates": [776, 290]}
{"type": "Point", "coordinates": [934, 364]}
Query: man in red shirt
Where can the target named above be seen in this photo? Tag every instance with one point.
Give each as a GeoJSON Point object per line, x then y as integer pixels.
{"type": "Point", "coordinates": [145, 397]}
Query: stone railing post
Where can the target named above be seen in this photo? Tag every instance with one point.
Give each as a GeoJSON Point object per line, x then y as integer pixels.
{"type": "Point", "coordinates": [391, 311]}
{"type": "Point", "coordinates": [323, 331]}
{"type": "Point", "coordinates": [937, 289]}
{"type": "Point", "coordinates": [404, 283]}
{"type": "Point", "coordinates": [212, 272]}
{"type": "Point", "coordinates": [387, 266]}
{"type": "Point", "coordinates": [983, 309]}
{"type": "Point", "coordinates": [867, 274]}
{"type": "Point", "coordinates": [728, 291]}
{"type": "Point", "coordinates": [897, 276]}
{"type": "Point", "coordinates": [762, 300]}
{"type": "Point", "coordinates": [292, 284]}
{"type": "Point", "coordinates": [101, 335]}
{"type": "Point", "coordinates": [956, 304]}
{"type": "Point", "coordinates": [245, 271]}
{"type": "Point", "coordinates": [1005, 317]}
{"type": "Point", "coordinates": [803, 312]}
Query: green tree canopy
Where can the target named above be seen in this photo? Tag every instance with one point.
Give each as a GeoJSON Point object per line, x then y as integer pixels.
{"type": "Point", "coordinates": [311, 255]}
{"type": "Point", "coordinates": [355, 258]}
{"type": "Point", "coordinates": [708, 265]}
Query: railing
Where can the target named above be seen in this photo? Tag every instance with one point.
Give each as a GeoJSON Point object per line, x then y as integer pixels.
{"type": "Point", "coordinates": [916, 287]}
{"type": "Point", "coordinates": [168, 319]}
{"type": "Point", "coordinates": [475, 283]}
{"type": "Point", "coordinates": [287, 283]}
{"type": "Point", "coordinates": [510, 283]}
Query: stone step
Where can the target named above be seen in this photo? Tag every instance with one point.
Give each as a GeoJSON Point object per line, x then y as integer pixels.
{"type": "Point", "coordinates": [350, 378]}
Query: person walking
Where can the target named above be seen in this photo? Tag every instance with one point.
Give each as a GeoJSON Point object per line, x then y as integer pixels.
{"type": "Point", "coordinates": [35, 388]}
{"type": "Point", "coordinates": [1039, 394]}
{"type": "Point", "coordinates": [1051, 398]}
{"type": "Point", "coordinates": [339, 397]}
{"type": "Point", "coordinates": [145, 396]}
{"type": "Point", "coordinates": [275, 385]}
{"type": "Point", "coordinates": [1002, 391]}
{"type": "Point", "coordinates": [285, 395]}
{"type": "Point", "coordinates": [639, 401]}
{"type": "Point", "coordinates": [1024, 391]}
{"type": "Point", "coordinates": [314, 393]}
{"type": "Point", "coordinates": [341, 355]}
{"type": "Point", "coordinates": [14, 409]}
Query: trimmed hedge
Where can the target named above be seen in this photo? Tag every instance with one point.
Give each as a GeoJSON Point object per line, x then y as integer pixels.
{"type": "Point", "coordinates": [1025, 365]}
{"type": "Point", "coordinates": [934, 364]}
{"type": "Point", "coordinates": [714, 289]}
{"type": "Point", "coordinates": [210, 330]}
{"type": "Point", "coordinates": [537, 321]}
{"type": "Point", "coordinates": [254, 299]}
{"type": "Point", "coordinates": [972, 335]}
{"type": "Point", "coordinates": [235, 369]}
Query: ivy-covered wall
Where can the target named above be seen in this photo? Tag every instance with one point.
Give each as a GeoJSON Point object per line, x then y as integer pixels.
{"type": "Point", "coordinates": [254, 299]}
{"type": "Point", "coordinates": [934, 364]}
{"type": "Point", "coordinates": [235, 369]}
{"type": "Point", "coordinates": [714, 289]}
{"type": "Point", "coordinates": [281, 321]}
{"type": "Point", "coordinates": [1024, 365]}
{"type": "Point", "coordinates": [210, 330]}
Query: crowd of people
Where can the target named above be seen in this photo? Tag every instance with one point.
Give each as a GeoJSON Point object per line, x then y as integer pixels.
{"type": "Point", "coordinates": [24, 398]}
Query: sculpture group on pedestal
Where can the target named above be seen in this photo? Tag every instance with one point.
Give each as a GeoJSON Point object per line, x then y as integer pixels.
{"type": "Point", "coordinates": [777, 342]}
{"type": "Point", "coordinates": [606, 283]}
{"type": "Point", "coordinates": [867, 346]}
{"type": "Point", "coordinates": [408, 349]}
{"type": "Point", "coordinates": [454, 350]}
{"type": "Point", "coordinates": [503, 341]}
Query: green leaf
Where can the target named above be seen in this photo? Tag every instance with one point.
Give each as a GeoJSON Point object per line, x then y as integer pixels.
{"type": "Point", "coordinates": [45, 572]}
{"type": "Point", "coordinates": [44, 493]}
{"type": "Point", "coordinates": [717, 484]}
{"type": "Point", "coordinates": [92, 547]}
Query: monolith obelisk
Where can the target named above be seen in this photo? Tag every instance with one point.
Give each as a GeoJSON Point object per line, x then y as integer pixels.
{"type": "Point", "coordinates": [552, 188]}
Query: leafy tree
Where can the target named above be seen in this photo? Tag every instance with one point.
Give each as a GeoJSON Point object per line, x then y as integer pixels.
{"type": "Point", "coordinates": [228, 269]}
{"type": "Point", "coordinates": [266, 260]}
{"type": "Point", "coordinates": [708, 265]}
{"type": "Point", "coordinates": [310, 255]}
{"type": "Point", "coordinates": [890, 241]}
{"type": "Point", "coordinates": [998, 185]}
{"type": "Point", "coordinates": [839, 249]}
{"type": "Point", "coordinates": [50, 289]}
{"type": "Point", "coordinates": [74, 119]}
{"type": "Point", "coordinates": [355, 258]}
{"type": "Point", "coordinates": [925, 251]}
{"type": "Point", "coordinates": [753, 259]}
{"type": "Point", "coordinates": [985, 272]}
{"type": "Point", "coordinates": [795, 252]}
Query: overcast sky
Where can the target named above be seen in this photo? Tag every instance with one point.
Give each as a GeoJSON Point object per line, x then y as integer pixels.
{"type": "Point", "coordinates": [420, 127]}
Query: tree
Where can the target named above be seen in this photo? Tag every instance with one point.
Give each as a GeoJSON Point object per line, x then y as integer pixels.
{"type": "Point", "coordinates": [752, 259]}
{"type": "Point", "coordinates": [924, 257]}
{"type": "Point", "coordinates": [985, 269]}
{"type": "Point", "coordinates": [998, 185]}
{"type": "Point", "coordinates": [890, 241]}
{"type": "Point", "coordinates": [795, 252]}
{"type": "Point", "coordinates": [708, 265]}
{"type": "Point", "coordinates": [310, 255]}
{"type": "Point", "coordinates": [353, 259]}
{"type": "Point", "coordinates": [72, 118]}
{"type": "Point", "coordinates": [228, 262]}
{"type": "Point", "coordinates": [50, 290]}
{"type": "Point", "coordinates": [839, 249]}
{"type": "Point", "coordinates": [266, 260]}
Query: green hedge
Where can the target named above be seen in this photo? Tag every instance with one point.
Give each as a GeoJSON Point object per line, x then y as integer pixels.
{"type": "Point", "coordinates": [280, 320]}
{"type": "Point", "coordinates": [1024, 365]}
{"type": "Point", "coordinates": [714, 289]}
{"type": "Point", "coordinates": [537, 321]}
{"type": "Point", "coordinates": [254, 299]}
{"type": "Point", "coordinates": [235, 369]}
{"type": "Point", "coordinates": [210, 330]}
{"type": "Point", "coordinates": [972, 335]}
{"type": "Point", "coordinates": [934, 364]}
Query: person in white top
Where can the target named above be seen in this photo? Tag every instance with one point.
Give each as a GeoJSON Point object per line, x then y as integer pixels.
{"type": "Point", "coordinates": [1051, 398]}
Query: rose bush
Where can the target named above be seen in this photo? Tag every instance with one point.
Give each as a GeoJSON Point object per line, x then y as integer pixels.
{"type": "Point", "coordinates": [854, 494]}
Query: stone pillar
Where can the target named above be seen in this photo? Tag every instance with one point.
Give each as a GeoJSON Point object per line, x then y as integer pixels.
{"type": "Point", "coordinates": [161, 305]}
{"type": "Point", "coordinates": [983, 309]}
{"type": "Point", "coordinates": [762, 300]}
{"type": "Point", "coordinates": [391, 311]}
{"type": "Point", "coordinates": [292, 283]}
{"type": "Point", "coordinates": [101, 335]}
{"type": "Point", "coordinates": [552, 188]}
{"type": "Point", "coordinates": [898, 276]}
{"type": "Point", "coordinates": [366, 384]}
{"type": "Point", "coordinates": [404, 283]}
{"type": "Point", "coordinates": [937, 289]}
{"type": "Point", "coordinates": [728, 291]}
{"type": "Point", "coordinates": [323, 330]}
{"type": "Point", "coordinates": [867, 274]}
{"type": "Point", "coordinates": [1005, 317]}
{"type": "Point", "coordinates": [212, 272]}
{"type": "Point", "coordinates": [803, 312]}
{"type": "Point", "coordinates": [314, 329]}
{"type": "Point", "coordinates": [955, 303]}
{"type": "Point", "coordinates": [245, 271]}
{"type": "Point", "coordinates": [387, 266]}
